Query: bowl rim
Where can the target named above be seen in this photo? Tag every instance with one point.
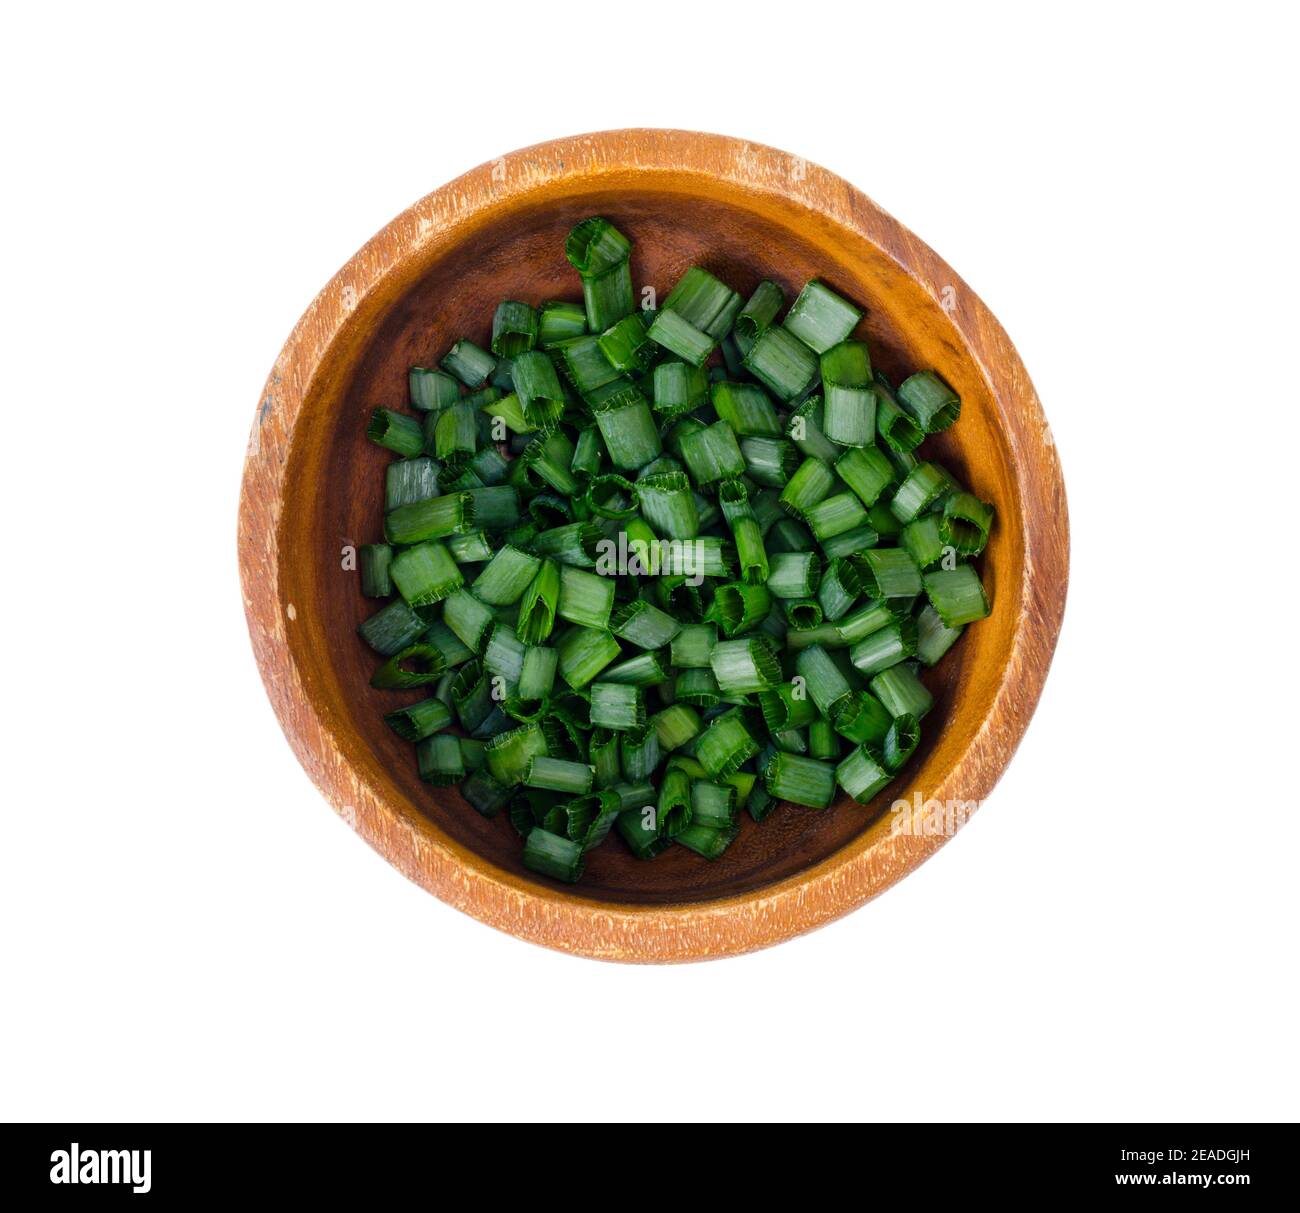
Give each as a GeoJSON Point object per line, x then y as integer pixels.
{"type": "Point", "coordinates": [566, 920]}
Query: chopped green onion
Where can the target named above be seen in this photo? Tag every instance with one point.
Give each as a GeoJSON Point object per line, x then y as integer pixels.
{"type": "Point", "coordinates": [809, 486]}
{"type": "Point", "coordinates": [669, 505]}
{"type": "Point", "coordinates": [861, 776]}
{"type": "Point", "coordinates": [432, 390]}
{"type": "Point", "coordinates": [643, 624]}
{"type": "Point", "coordinates": [608, 297]}
{"type": "Point", "coordinates": [902, 692]}
{"type": "Point", "coordinates": [725, 745]}
{"type": "Point", "coordinates": [713, 805]}
{"type": "Point", "coordinates": [514, 329]}
{"type": "Point", "coordinates": [693, 645]}
{"type": "Point", "coordinates": [697, 687]}
{"type": "Point", "coordinates": [825, 683]}
{"type": "Point", "coordinates": [506, 577]}
{"type": "Point", "coordinates": [596, 245]}
{"type": "Point", "coordinates": [674, 804]}
{"type": "Point", "coordinates": [966, 523]}
{"type": "Point", "coordinates": [407, 480]}
{"type": "Point", "coordinates": [604, 753]}
{"type": "Point", "coordinates": [639, 828]}
{"type": "Point", "coordinates": [617, 706]}
{"type": "Point", "coordinates": [933, 404]}
{"type": "Point", "coordinates": [550, 458]}
{"type": "Point", "coordinates": [850, 401]}
{"type": "Point", "coordinates": [704, 301]}
{"type": "Point", "coordinates": [675, 726]}
{"type": "Point", "coordinates": [440, 760]}
{"type": "Point", "coordinates": [704, 841]}
{"type": "Point", "coordinates": [559, 775]}
{"type": "Point", "coordinates": [769, 461]}
{"type": "Point", "coordinates": [923, 487]}
{"type": "Point", "coordinates": [415, 666]}
{"type": "Point", "coordinates": [584, 652]}
{"type": "Point", "coordinates": [759, 312]}
{"type": "Point", "coordinates": [560, 322]}
{"type": "Point", "coordinates": [713, 454]}
{"type": "Point", "coordinates": [794, 574]}
{"type": "Point", "coordinates": [509, 754]}
{"type": "Point", "coordinates": [469, 618]}
{"type": "Point", "coordinates": [468, 363]}
{"type": "Point", "coordinates": [485, 795]}
{"type": "Point", "coordinates": [425, 573]}
{"type": "Point", "coordinates": [628, 429]}
{"type": "Point", "coordinates": [800, 780]}
{"type": "Point", "coordinates": [575, 544]}
{"type": "Point", "coordinates": [551, 855]}
{"type": "Point", "coordinates": [398, 432]}
{"type": "Point", "coordinates": [956, 595]}
{"type": "Point", "coordinates": [923, 540]}
{"type": "Point", "coordinates": [738, 608]}
{"type": "Point", "coordinates": [888, 646]}
{"type": "Point", "coordinates": [901, 741]}
{"type": "Point", "coordinates": [741, 666]}
{"type": "Point", "coordinates": [538, 606]}
{"type": "Point", "coordinates": [746, 408]}
{"type": "Point", "coordinates": [787, 706]}
{"type": "Point", "coordinates": [585, 598]}
{"type": "Point", "coordinates": [644, 670]}
{"type": "Point", "coordinates": [537, 673]}
{"type": "Point", "coordinates": [419, 720]}
{"type": "Point", "coordinates": [626, 345]}
{"type": "Point", "coordinates": [588, 452]}
{"type": "Point", "coordinates": [804, 429]}
{"type": "Point", "coordinates": [835, 515]}
{"type": "Point", "coordinates": [861, 717]}
{"type": "Point", "coordinates": [433, 519]}
{"type": "Point", "coordinates": [820, 318]}
{"type": "Point", "coordinates": [933, 637]}
{"type": "Point", "coordinates": [374, 561]}
{"type": "Point", "coordinates": [392, 628]}
{"type": "Point", "coordinates": [679, 336]}
{"type": "Point", "coordinates": [679, 388]}
{"type": "Point", "coordinates": [889, 573]}
{"type": "Point", "coordinates": [585, 364]}
{"type": "Point", "coordinates": [538, 388]}
{"type": "Point", "coordinates": [782, 362]}
{"type": "Point", "coordinates": [640, 756]}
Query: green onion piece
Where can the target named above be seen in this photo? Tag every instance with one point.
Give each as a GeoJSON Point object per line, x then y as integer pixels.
{"type": "Point", "coordinates": [849, 543]}
{"type": "Point", "coordinates": [440, 760]}
{"type": "Point", "coordinates": [956, 595]}
{"type": "Point", "coordinates": [470, 619]}
{"type": "Point", "coordinates": [692, 646]}
{"type": "Point", "coordinates": [680, 337]}
{"type": "Point", "coordinates": [484, 794]}
{"type": "Point", "coordinates": [584, 652]}
{"type": "Point", "coordinates": [432, 390]}
{"type": "Point", "coordinates": [617, 706]}
{"type": "Point", "coordinates": [866, 471]}
{"type": "Point", "coordinates": [588, 452]}
{"type": "Point", "coordinates": [933, 404]}
{"type": "Point", "coordinates": [585, 364]}
{"type": "Point", "coordinates": [608, 297]}
{"type": "Point", "coordinates": [802, 613]}
{"type": "Point", "coordinates": [644, 625]}
{"type": "Point", "coordinates": [575, 544]}
{"type": "Point", "coordinates": [398, 432]}
{"type": "Point", "coordinates": [639, 828]}
{"type": "Point", "coordinates": [769, 461]}
{"type": "Point", "coordinates": [471, 696]}
{"type": "Point", "coordinates": [605, 757]}
{"type": "Point", "coordinates": [863, 622]}
{"type": "Point", "coordinates": [923, 540]}
{"type": "Point", "coordinates": [675, 726]}
{"type": "Point", "coordinates": [902, 692]}
{"type": "Point", "coordinates": [549, 457]}
{"type": "Point", "coordinates": [626, 345]}
{"type": "Point", "coordinates": [668, 505]}
{"type": "Point", "coordinates": [697, 687]}
{"type": "Point", "coordinates": [560, 322]}
{"type": "Point", "coordinates": [888, 646]}
{"type": "Point", "coordinates": [506, 577]}
{"type": "Point", "coordinates": [504, 656]}
{"type": "Point", "coordinates": [596, 245]}
{"type": "Point", "coordinates": [966, 523]}
{"type": "Point", "coordinates": [786, 707]}
{"type": "Point", "coordinates": [861, 776]}
{"type": "Point", "coordinates": [713, 454]}
{"type": "Point", "coordinates": [725, 745]}
{"type": "Point", "coordinates": [392, 628]}
{"type": "Point", "coordinates": [820, 318]}
{"type": "Point", "coordinates": [415, 666]}
{"type": "Point", "coordinates": [823, 679]}
{"type": "Point", "coordinates": [640, 753]}
{"type": "Point", "coordinates": [747, 408]}
{"type": "Point", "coordinates": [822, 740]}
{"type": "Point", "coordinates": [538, 388]}
{"type": "Point", "coordinates": [629, 431]}
{"type": "Point", "coordinates": [804, 429]}
{"type": "Point", "coordinates": [840, 588]}
{"type": "Point", "coordinates": [760, 803]}
{"type": "Point", "coordinates": [933, 637]}
{"type": "Point", "coordinates": [674, 804]}
{"type": "Point", "coordinates": [924, 486]}
{"type": "Point", "coordinates": [861, 717]}
{"type": "Point", "coordinates": [470, 548]}
{"type": "Point", "coordinates": [407, 480]}
{"type": "Point", "coordinates": [494, 509]}
{"type": "Point", "coordinates": [800, 780]}
{"type": "Point", "coordinates": [889, 573]}
{"type": "Point", "coordinates": [849, 413]}
{"type": "Point", "coordinates": [537, 674]}
{"type": "Point", "coordinates": [738, 608]}
{"type": "Point", "coordinates": [794, 574]}
{"type": "Point", "coordinates": [551, 855]}
{"type": "Point", "coordinates": [514, 329]}
{"type": "Point", "coordinates": [900, 742]}
{"type": "Point", "coordinates": [759, 312]}
{"type": "Point", "coordinates": [374, 560]}
{"type": "Point", "coordinates": [706, 842]}
{"type": "Point", "coordinates": [782, 362]}
{"type": "Point", "coordinates": [713, 805]}
{"type": "Point", "coordinates": [419, 720]}
{"type": "Point", "coordinates": [703, 301]}
{"type": "Point", "coordinates": [559, 775]}
{"type": "Point", "coordinates": [508, 754]}
{"type": "Point", "coordinates": [835, 515]}
{"type": "Point", "coordinates": [741, 666]}
{"type": "Point", "coordinates": [433, 519]}
{"type": "Point", "coordinates": [468, 363]}
{"type": "Point", "coordinates": [644, 670]}
{"type": "Point", "coordinates": [425, 574]}
{"type": "Point", "coordinates": [538, 606]}
{"type": "Point", "coordinates": [510, 410]}
{"type": "Point", "coordinates": [809, 486]}
{"type": "Point", "coordinates": [585, 598]}
{"type": "Point", "coordinates": [825, 634]}
{"type": "Point", "coordinates": [896, 427]}
{"type": "Point", "coordinates": [678, 388]}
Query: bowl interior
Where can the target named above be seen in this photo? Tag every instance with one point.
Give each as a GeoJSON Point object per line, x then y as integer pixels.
{"type": "Point", "coordinates": [424, 303]}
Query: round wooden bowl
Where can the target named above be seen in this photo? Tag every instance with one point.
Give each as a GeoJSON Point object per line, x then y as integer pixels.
{"type": "Point", "coordinates": [313, 487]}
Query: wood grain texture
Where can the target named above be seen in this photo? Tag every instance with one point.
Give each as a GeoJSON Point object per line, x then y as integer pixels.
{"type": "Point", "coordinates": [313, 485]}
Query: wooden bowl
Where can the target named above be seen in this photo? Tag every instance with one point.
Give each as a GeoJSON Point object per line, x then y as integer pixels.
{"type": "Point", "coordinates": [313, 486]}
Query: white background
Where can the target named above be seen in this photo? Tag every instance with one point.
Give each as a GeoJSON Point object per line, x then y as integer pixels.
{"type": "Point", "coordinates": [189, 932]}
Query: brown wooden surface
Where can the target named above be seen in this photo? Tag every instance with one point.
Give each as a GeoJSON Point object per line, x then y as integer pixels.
{"type": "Point", "coordinates": [312, 485]}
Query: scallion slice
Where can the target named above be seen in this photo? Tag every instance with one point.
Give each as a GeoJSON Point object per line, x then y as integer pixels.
{"type": "Point", "coordinates": [782, 362]}
{"type": "Point", "coordinates": [469, 364]}
{"type": "Point", "coordinates": [514, 329]}
{"type": "Point", "coordinates": [820, 318]}
{"type": "Point", "coordinates": [374, 561]}
{"type": "Point", "coordinates": [956, 595]}
{"type": "Point", "coordinates": [933, 404]}
{"type": "Point", "coordinates": [551, 855]}
{"type": "Point", "coordinates": [398, 432]}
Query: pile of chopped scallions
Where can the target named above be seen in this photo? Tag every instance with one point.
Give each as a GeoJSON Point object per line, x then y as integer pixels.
{"type": "Point", "coordinates": [664, 566]}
